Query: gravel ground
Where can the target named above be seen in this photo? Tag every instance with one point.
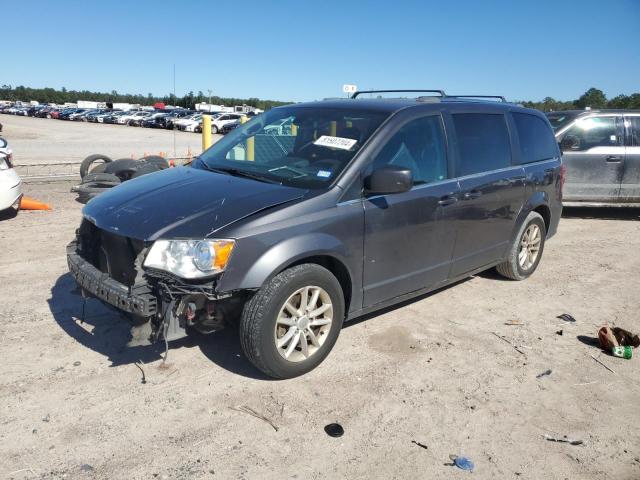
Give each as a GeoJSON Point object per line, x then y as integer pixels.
{"type": "Point", "coordinates": [40, 140]}
{"type": "Point", "coordinates": [433, 371]}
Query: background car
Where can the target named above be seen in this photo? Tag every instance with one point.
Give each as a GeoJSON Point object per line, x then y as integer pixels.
{"type": "Point", "coordinates": [601, 151]}
{"type": "Point", "coordinates": [10, 182]}
{"type": "Point", "coordinates": [230, 126]}
{"type": "Point", "coordinates": [220, 121]}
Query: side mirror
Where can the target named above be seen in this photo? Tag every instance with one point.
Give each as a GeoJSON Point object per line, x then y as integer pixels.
{"type": "Point", "coordinates": [569, 143]}
{"type": "Point", "coordinates": [387, 180]}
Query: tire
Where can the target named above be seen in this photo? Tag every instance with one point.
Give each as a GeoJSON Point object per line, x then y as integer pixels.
{"type": "Point", "coordinates": [87, 162]}
{"type": "Point", "coordinates": [123, 168]}
{"type": "Point", "coordinates": [258, 333]}
{"type": "Point", "coordinates": [514, 267]}
{"type": "Point", "coordinates": [98, 168]}
{"type": "Point", "coordinates": [214, 129]}
{"type": "Point", "coordinates": [146, 169]}
{"type": "Point", "coordinates": [101, 177]}
{"type": "Point", "coordinates": [156, 160]}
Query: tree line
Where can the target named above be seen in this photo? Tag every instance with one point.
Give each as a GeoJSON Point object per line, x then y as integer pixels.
{"type": "Point", "coordinates": [52, 95]}
{"type": "Point", "coordinates": [593, 98]}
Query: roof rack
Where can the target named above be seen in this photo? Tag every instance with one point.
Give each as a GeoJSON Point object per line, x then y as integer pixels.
{"type": "Point", "coordinates": [439, 92]}
{"type": "Point", "coordinates": [498, 97]}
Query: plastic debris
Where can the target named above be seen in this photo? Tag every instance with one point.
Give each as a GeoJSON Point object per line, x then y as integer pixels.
{"type": "Point", "coordinates": [334, 430]}
{"type": "Point", "coordinates": [463, 463]}
{"type": "Point", "coordinates": [618, 341]}
{"type": "Point", "coordinates": [622, 352]}
{"type": "Point", "coordinates": [559, 332]}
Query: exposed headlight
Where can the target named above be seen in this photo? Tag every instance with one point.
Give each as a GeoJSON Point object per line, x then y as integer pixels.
{"type": "Point", "coordinates": [190, 258]}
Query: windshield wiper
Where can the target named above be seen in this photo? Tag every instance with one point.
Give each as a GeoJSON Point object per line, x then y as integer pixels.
{"type": "Point", "coordinates": [242, 173]}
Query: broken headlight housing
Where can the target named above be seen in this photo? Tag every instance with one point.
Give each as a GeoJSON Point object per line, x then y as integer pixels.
{"type": "Point", "coordinates": [190, 259]}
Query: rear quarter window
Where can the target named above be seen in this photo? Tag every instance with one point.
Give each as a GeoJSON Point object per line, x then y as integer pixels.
{"type": "Point", "coordinates": [537, 141]}
{"type": "Point", "coordinates": [483, 142]}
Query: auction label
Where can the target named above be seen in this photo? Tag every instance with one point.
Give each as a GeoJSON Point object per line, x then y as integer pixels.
{"type": "Point", "coordinates": [335, 142]}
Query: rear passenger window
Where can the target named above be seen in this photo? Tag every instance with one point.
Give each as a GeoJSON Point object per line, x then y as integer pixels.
{"type": "Point", "coordinates": [419, 146]}
{"type": "Point", "coordinates": [635, 131]}
{"type": "Point", "coordinates": [536, 140]}
{"type": "Point", "coordinates": [483, 142]}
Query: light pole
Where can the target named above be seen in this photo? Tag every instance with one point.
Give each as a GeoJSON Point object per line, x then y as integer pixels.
{"type": "Point", "coordinates": [209, 90]}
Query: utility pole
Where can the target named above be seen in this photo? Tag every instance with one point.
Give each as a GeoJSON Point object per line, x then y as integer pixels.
{"type": "Point", "coordinates": [209, 90]}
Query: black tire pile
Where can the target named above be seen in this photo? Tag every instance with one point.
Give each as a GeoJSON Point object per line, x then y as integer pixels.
{"type": "Point", "coordinates": [100, 173]}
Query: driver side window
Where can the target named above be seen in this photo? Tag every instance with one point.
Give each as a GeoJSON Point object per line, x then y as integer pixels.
{"type": "Point", "coordinates": [419, 146]}
{"type": "Point", "coordinates": [593, 132]}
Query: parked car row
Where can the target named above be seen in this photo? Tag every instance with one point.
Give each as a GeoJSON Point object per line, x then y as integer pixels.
{"type": "Point", "coordinates": [180, 119]}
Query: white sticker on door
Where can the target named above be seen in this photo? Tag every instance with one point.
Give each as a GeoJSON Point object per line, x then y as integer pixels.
{"type": "Point", "coordinates": [335, 142]}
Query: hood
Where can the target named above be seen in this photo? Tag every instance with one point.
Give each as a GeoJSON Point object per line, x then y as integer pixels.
{"type": "Point", "coordinates": [182, 202]}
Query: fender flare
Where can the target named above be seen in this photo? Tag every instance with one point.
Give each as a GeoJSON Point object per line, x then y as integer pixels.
{"type": "Point", "coordinates": [282, 255]}
{"type": "Point", "coordinates": [536, 200]}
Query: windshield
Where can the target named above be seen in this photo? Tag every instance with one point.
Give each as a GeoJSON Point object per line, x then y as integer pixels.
{"type": "Point", "coordinates": [297, 146]}
{"type": "Point", "coordinates": [560, 119]}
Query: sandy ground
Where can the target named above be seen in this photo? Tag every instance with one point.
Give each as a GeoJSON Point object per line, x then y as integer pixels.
{"type": "Point", "coordinates": [36, 140]}
{"type": "Point", "coordinates": [72, 403]}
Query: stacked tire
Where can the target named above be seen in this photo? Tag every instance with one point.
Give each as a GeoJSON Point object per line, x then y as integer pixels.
{"type": "Point", "coordinates": [99, 173]}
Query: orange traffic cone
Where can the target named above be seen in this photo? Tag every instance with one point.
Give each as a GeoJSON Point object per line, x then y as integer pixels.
{"type": "Point", "coordinates": [30, 204]}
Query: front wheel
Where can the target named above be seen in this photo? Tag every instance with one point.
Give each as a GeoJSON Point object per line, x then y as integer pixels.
{"type": "Point", "coordinates": [526, 252]}
{"type": "Point", "coordinates": [291, 324]}
{"type": "Point", "coordinates": [214, 129]}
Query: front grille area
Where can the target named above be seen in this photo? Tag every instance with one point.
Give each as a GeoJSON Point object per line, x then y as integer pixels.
{"type": "Point", "coordinates": [112, 254]}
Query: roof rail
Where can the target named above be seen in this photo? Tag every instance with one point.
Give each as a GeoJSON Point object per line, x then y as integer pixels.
{"type": "Point", "coordinates": [440, 92]}
{"type": "Point", "coordinates": [499, 97]}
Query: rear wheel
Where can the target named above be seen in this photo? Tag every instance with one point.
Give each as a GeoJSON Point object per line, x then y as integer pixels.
{"type": "Point", "coordinates": [526, 252]}
{"type": "Point", "coordinates": [289, 327]}
{"type": "Point", "coordinates": [214, 129]}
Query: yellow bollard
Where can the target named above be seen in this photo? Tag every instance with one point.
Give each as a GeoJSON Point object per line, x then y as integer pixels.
{"type": "Point", "coordinates": [206, 132]}
{"type": "Point", "coordinates": [332, 128]}
{"type": "Point", "coordinates": [251, 143]}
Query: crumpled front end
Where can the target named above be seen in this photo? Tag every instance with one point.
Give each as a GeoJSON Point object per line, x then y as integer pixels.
{"type": "Point", "coordinates": [108, 266]}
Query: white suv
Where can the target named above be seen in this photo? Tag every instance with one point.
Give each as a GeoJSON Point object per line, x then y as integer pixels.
{"type": "Point", "coordinates": [222, 120]}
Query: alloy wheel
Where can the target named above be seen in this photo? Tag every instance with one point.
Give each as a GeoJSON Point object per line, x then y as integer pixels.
{"type": "Point", "coordinates": [303, 323]}
{"type": "Point", "coordinates": [529, 247]}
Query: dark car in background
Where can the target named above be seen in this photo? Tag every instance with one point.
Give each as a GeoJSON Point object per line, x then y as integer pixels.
{"type": "Point", "coordinates": [362, 204]}
{"type": "Point", "coordinates": [67, 114]}
{"type": "Point", "coordinates": [155, 121]}
{"type": "Point", "coordinates": [173, 116]}
{"type": "Point", "coordinates": [229, 126]}
{"type": "Point", "coordinates": [601, 150]}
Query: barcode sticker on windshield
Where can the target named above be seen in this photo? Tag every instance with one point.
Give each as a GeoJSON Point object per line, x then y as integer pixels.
{"type": "Point", "coordinates": [335, 142]}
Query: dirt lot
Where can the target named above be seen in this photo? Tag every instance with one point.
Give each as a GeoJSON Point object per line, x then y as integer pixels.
{"type": "Point", "coordinates": [72, 403]}
{"type": "Point", "coordinates": [36, 140]}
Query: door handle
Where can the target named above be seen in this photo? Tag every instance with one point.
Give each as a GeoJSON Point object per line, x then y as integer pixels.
{"type": "Point", "coordinates": [447, 200]}
{"type": "Point", "coordinates": [472, 194]}
{"type": "Point", "coordinates": [613, 159]}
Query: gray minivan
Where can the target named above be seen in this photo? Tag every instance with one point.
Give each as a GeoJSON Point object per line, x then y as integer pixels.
{"type": "Point", "coordinates": [358, 205]}
{"type": "Point", "coordinates": [601, 149]}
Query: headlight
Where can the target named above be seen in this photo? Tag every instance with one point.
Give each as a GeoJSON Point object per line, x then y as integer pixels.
{"type": "Point", "coordinates": [190, 258]}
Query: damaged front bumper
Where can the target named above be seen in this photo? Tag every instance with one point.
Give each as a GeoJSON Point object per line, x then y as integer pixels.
{"type": "Point", "coordinates": [163, 306]}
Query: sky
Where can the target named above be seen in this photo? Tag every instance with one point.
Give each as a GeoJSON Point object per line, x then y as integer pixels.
{"type": "Point", "coordinates": [297, 50]}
